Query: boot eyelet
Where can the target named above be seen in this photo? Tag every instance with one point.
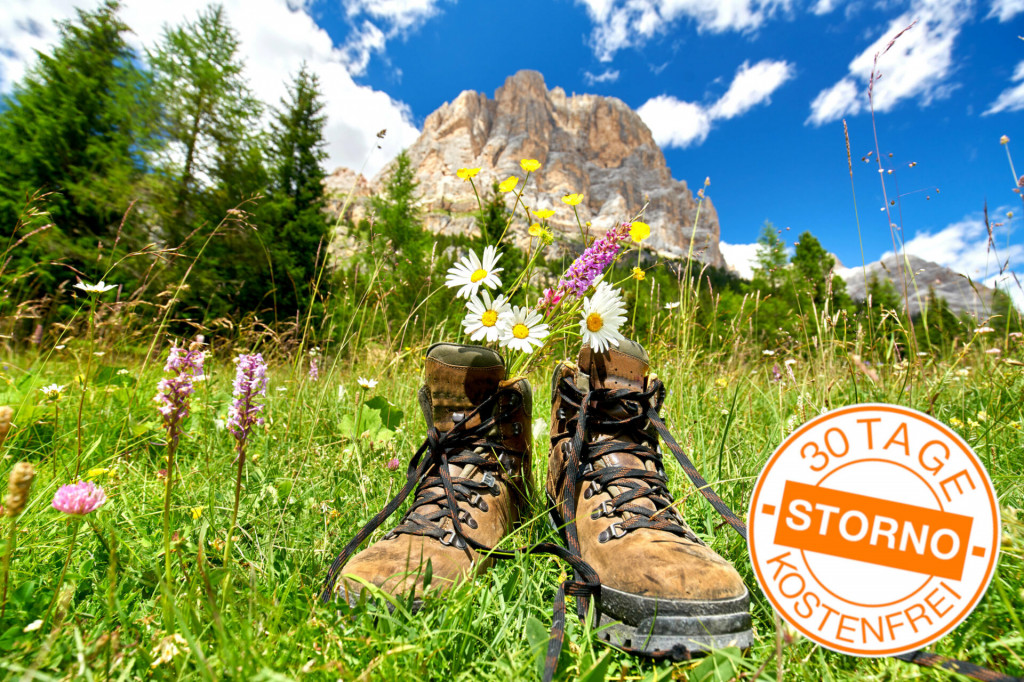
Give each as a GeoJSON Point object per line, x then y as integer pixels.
{"type": "Point", "coordinates": [517, 428]}
{"type": "Point", "coordinates": [587, 494]}
{"type": "Point", "coordinates": [603, 510]}
{"type": "Point", "coordinates": [561, 413]}
{"type": "Point", "coordinates": [453, 539]}
{"type": "Point", "coordinates": [612, 531]}
{"type": "Point", "coordinates": [494, 488]}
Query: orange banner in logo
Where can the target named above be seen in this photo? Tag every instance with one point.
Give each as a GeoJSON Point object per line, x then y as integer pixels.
{"type": "Point", "coordinates": [863, 528]}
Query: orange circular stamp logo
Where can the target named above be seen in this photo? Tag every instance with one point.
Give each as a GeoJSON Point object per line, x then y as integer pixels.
{"type": "Point", "coordinates": [874, 530]}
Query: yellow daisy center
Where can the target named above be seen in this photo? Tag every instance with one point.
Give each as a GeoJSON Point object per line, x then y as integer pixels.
{"type": "Point", "coordinates": [520, 331]}
{"type": "Point", "coordinates": [489, 318]}
{"type": "Point", "coordinates": [594, 322]}
{"type": "Point", "coordinates": [478, 275]}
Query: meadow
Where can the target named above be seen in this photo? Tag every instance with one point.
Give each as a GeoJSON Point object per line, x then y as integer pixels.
{"type": "Point", "coordinates": [332, 452]}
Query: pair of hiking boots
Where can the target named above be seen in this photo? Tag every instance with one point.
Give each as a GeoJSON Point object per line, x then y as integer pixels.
{"type": "Point", "coordinates": [660, 590]}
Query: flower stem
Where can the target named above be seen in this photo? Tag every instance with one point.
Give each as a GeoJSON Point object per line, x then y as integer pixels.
{"type": "Point", "coordinates": [234, 512]}
{"type": "Point", "coordinates": [356, 440]}
{"type": "Point", "coordinates": [171, 447]}
{"type": "Point", "coordinates": [76, 523]}
{"type": "Point", "coordinates": [85, 383]}
{"type": "Point", "coordinates": [11, 539]}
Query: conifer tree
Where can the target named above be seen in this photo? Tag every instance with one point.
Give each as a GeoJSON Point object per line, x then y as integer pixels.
{"type": "Point", "coordinates": [295, 210]}
{"type": "Point", "coordinates": [771, 256]}
{"type": "Point", "coordinates": [78, 127]}
{"type": "Point", "coordinates": [213, 157]}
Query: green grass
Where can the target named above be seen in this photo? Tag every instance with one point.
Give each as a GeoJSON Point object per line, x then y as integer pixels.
{"type": "Point", "coordinates": [303, 497]}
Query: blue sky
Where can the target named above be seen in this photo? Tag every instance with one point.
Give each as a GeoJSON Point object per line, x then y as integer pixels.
{"type": "Point", "coordinates": [748, 92]}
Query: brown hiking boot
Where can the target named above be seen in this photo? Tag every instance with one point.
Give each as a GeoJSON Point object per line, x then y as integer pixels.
{"type": "Point", "coordinates": [471, 475]}
{"type": "Point", "coordinates": [663, 591]}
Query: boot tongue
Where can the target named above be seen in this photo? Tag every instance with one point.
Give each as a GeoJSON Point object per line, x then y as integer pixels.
{"type": "Point", "coordinates": [459, 378]}
{"type": "Point", "coordinates": [622, 366]}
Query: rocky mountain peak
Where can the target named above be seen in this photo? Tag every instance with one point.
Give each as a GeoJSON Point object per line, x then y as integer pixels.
{"type": "Point", "coordinates": [922, 276]}
{"type": "Point", "coordinates": [589, 144]}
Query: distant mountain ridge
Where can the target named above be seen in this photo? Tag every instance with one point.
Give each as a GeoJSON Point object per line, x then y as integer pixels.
{"type": "Point", "coordinates": [961, 294]}
{"type": "Point", "coordinates": [588, 144]}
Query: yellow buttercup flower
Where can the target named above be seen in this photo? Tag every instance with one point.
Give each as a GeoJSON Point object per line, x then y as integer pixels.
{"type": "Point", "coordinates": [536, 230]}
{"type": "Point", "coordinates": [97, 472]}
{"type": "Point", "coordinates": [197, 512]}
{"type": "Point", "coordinates": [509, 184]}
{"type": "Point", "coordinates": [530, 165]}
{"type": "Point", "coordinates": [544, 213]}
{"type": "Point", "coordinates": [639, 274]}
{"type": "Point", "coordinates": [467, 173]}
{"type": "Point", "coordinates": [639, 231]}
{"type": "Point", "coordinates": [572, 199]}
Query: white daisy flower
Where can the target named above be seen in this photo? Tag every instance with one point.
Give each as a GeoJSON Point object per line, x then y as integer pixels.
{"type": "Point", "coordinates": [98, 288]}
{"type": "Point", "coordinates": [470, 273]}
{"type": "Point", "coordinates": [485, 316]}
{"type": "Point", "coordinates": [603, 314]}
{"type": "Point", "coordinates": [52, 391]}
{"type": "Point", "coordinates": [522, 330]}
{"type": "Point", "coordinates": [366, 383]}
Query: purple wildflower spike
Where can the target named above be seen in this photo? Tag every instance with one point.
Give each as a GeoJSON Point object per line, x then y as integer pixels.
{"type": "Point", "coordinates": [79, 499]}
{"type": "Point", "coordinates": [587, 266]}
{"type": "Point", "coordinates": [173, 394]}
{"type": "Point", "coordinates": [314, 370]}
{"type": "Point", "coordinates": [250, 384]}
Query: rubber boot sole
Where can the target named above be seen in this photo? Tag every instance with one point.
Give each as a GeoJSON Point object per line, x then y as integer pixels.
{"type": "Point", "coordinates": [676, 629]}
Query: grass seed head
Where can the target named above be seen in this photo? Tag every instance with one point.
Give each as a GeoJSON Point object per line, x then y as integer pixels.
{"type": "Point", "coordinates": [18, 486]}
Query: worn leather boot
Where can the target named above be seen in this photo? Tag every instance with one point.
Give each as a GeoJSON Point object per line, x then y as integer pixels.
{"type": "Point", "coordinates": [479, 440]}
{"type": "Point", "coordinates": [663, 591]}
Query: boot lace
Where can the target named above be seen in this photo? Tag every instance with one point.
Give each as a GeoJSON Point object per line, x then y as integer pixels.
{"type": "Point", "coordinates": [625, 416]}
{"type": "Point", "coordinates": [429, 471]}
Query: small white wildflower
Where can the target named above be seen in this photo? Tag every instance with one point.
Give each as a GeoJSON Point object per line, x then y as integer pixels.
{"type": "Point", "coordinates": [34, 625]}
{"type": "Point", "coordinates": [366, 384]}
{"type": "Point", "coordinates": [768, 353]}
{"type": "Point", "coordinates": [984, 330]}
{"type": "Point", "coordinates": [672, 305]}
{"type": "Point", "coordinates": [790, 362]}
{"type": "Point", "coordinates": [53, 391]}
{"type": "Point", "coordinates": [98, 288]}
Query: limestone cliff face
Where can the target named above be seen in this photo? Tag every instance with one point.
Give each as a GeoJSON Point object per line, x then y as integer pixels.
{"type": "Point", "coordinates": [589, 144]}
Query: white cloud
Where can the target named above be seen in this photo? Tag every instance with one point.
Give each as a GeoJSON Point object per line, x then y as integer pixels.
{"type": "Point", "coordinates": [676, 123]}
{"type": "Point", "coordinates": [833, 103]}
{"type": "Point", "coordinates": [362, 42]}
{"type": "Point", "coordinates": [751, 86]}
{"type": "Point", "coordinates": [621, 24]}
{"type": "Point", "coordinates": [824, 6]}
{"type": "Point", "coordinates": [740, 257]}
{"type": "Point", "coordinates": [964, 247]}
{"type": "Point", "coordinates": [1010, 99]}
{"type": "Point", "coordinates": [606, 76]}
{"type": "Point", "coordinates": [275, 39]}
{"type": "Point", "coordinates": [1005, 10]}
{"type": "Point", "coordinates": [379, 21]}
{"type": "Point", "coordinates": [918, 65]}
